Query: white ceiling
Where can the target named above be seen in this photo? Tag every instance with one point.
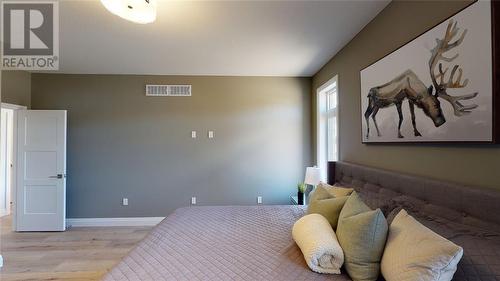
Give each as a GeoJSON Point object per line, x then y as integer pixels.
{"type": "Point", "coordinates": [254, 38]}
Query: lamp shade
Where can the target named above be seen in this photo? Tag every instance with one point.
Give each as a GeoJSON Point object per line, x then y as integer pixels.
{"type": "Point", "coordinates": [138, 11]}
{"type": "Point", "coordinates": [312, 176]}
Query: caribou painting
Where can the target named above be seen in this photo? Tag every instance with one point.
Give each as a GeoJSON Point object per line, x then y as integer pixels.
{"type": "Point", "coordinates": [407, 86]}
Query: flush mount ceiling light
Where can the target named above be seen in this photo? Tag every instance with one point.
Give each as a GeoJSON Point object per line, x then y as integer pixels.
{"type": "Point", "coordinates": [138, 11]}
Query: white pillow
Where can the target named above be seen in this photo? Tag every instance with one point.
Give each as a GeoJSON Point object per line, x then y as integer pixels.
{"type": "Point", "coordinates": [414, 252]}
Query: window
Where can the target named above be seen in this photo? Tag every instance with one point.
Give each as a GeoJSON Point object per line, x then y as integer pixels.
{"type": "Point", "coordinates": [327, 125]}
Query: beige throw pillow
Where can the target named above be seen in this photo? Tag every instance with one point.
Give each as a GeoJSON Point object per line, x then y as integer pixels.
{"type": "Point", "coordinates": [361, 233]}
{"type": "Point", "coordinates": [328, 208]}
{"type": "Point", "coordinates": [414, 252]}
{"type": "Point", "coordinates": [336, 190]}
{"type": "Point", "coordinates": [323, 203]}
{"type": "Point", "coordinates": [319, 193]}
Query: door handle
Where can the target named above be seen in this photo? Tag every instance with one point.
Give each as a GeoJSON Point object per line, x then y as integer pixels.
{"type": "Point", "coordinates": [59, 176]}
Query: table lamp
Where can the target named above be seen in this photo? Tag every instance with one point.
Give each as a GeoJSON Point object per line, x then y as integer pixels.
{"type": "Point", "coordinates": [312, 176]}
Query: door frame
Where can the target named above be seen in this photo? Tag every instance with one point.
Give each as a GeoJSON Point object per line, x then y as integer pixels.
{"type": "Point", "coordinates": [13, 181]}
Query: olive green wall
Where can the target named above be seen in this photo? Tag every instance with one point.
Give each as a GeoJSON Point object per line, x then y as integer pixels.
{"type": "Point", "coordinates": [16, 87]}
{"type": "Point", "coordinates": [399, 22]}
{"type": "Point", "coordinates": [124, 144]}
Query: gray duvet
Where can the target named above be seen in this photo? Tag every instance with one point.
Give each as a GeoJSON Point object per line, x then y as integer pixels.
{"type": "Point", "coordinates": [220, 243]}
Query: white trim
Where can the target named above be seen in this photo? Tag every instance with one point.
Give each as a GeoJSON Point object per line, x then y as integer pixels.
{"type": "Point", "coordinates": [13, 106]}
{"type": "Point", "coordinates": [135, 221]}
{"type": "Point", "coordinates": [7, 169]}
{"type": "Point", "coordinates": [13, 183]}
{"type": "Point", "coordinates": [321, 134]}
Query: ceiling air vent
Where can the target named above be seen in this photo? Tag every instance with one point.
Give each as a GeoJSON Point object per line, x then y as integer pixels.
{"type": "Point", "coordinates": [168, 90]}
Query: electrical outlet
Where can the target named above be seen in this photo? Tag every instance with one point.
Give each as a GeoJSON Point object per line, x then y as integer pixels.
{"type": "Point", "coordinates": [210, 134]}
{"type": "Point", "coordinates": [193, 134]}
{"type": "Point", "coordinates": [193, 200]}
{"type": "Point", "coordinates": [125, 201]}
{"type": "Point", "coordinates": [259, 199]}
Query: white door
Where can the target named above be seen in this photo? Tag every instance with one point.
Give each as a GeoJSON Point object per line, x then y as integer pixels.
{"type": "Point", "coordinates": [41, 170]}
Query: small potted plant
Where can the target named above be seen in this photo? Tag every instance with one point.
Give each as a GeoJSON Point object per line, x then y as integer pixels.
{"type": "Point", "coordinates": [301, 189]}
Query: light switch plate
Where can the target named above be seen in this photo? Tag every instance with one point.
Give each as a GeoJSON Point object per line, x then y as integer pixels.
{"type": "Point", "coordinates": [210, 134]}
{"type": "Point", "coordinates": [193, 134]}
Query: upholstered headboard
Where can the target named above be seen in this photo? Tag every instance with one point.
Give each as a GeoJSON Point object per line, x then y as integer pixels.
{"type": "Point", "coordinates": [479, 203]}
{"type": "Point", "coordinates": [469, 217]}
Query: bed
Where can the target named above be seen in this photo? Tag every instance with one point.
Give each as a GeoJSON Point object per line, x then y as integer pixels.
{"type": "Point", "coordinates": [254, 242]}
{"type": "Point", "coordinates": [220, 243]}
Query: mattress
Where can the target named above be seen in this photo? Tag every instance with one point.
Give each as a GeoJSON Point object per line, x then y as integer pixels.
{"type": "Point", "coordinates": [220, 243]}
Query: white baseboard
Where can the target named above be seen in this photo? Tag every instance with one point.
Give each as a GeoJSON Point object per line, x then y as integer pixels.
{"type": "Point", "coordinates": [135, 221]}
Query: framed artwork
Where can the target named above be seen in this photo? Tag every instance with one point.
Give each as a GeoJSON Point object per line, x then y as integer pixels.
{"type": "Point", "coordinates": [440, 87]}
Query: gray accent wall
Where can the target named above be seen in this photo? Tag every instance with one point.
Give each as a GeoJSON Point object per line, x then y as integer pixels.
{"type": "Point", "coordinates": [124, 144]}
{"type": "Point", "coordinates": [16, 87]}
{"type": "Point", "coordinates": [399, 22]}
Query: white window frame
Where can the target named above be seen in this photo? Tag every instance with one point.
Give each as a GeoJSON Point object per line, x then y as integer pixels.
{"type": "Point", "coordinates": [322, 115]}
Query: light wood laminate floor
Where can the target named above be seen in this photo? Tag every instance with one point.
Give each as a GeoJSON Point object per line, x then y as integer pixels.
{"type": "Point", "coordinates": [80, 253]}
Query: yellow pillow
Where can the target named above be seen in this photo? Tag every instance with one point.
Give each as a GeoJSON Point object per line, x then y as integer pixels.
{"type": "Point", "coordinates": [329, 208]}
{"type": "Point", "coordinates": [320, 193]}
{"type": "Point", "coordinates": [336, 190]}
{"type": "Point", "coordinates": [324, 203]}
